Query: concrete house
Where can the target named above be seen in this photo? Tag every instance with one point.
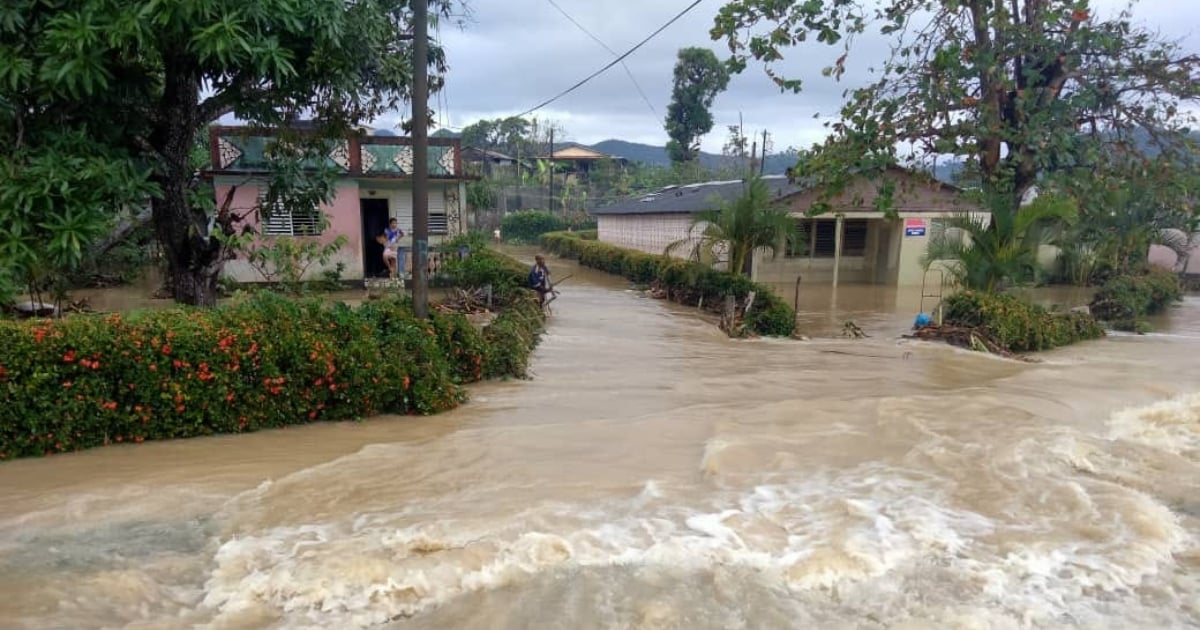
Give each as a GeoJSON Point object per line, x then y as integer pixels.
{"type": "Point", "coordinates": [375, 185]}
{"type": "Point", "coordinates": [853, 243]}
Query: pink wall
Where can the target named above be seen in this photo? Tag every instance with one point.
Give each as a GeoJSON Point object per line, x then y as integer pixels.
{"type": "Point", "coordinates": [1164, 257]}
{"type": "Point", "coordinates": [342, 213]}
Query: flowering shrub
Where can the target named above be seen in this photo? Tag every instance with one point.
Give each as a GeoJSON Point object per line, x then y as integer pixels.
{"type": "Point", "coordinates": [264, 362]}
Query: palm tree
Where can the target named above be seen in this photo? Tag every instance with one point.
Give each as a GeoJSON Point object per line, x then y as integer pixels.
{"type": "Point", "coordinates": [739, 227]}
{"type": "Point", "coordinates": [991, 255]}
{"type": "Point", "coordinates": [1116, 238]}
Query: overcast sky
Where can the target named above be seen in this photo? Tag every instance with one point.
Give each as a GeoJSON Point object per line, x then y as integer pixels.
{"type": "Point", "coordinates": [513, 54]}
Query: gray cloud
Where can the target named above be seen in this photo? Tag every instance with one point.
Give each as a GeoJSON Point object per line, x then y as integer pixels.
{"type": "Point", "coordinates": [513, 54]}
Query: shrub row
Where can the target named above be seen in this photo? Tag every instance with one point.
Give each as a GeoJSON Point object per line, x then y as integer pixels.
{"type": "Point", "coordinates": [263, 362]}
{"type": "Point", "coordinates": [685, 282]}
{"type": "Point", "coordinates": [1016, 325]}
{"type": "Point", "coordinates": [527, 225]}
{"type": "Point", "coordinates": [1124, 300]}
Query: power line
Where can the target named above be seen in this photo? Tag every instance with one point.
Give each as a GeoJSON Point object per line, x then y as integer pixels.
{"type": "Point", "coordinates": [610, 50]}
{"type": "Point", "coordinates": [614, 62]}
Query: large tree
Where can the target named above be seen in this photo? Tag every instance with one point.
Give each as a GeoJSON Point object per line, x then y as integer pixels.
{"type": "Point", "coordinates": [505, 135]}
{"type": "Point", "coordinates": [699, 78]}
{"type": "Point", "coordinates": [1023, 91]}
{"type": "Point", "coordinates": [142, 79]}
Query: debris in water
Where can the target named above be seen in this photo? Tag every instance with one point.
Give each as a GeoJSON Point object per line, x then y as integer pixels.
{"type": "Point", "coordinates": [976, 339]}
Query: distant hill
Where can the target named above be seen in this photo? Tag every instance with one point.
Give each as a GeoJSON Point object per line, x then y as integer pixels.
{"type": "Point", "coordinates": [657, 156]}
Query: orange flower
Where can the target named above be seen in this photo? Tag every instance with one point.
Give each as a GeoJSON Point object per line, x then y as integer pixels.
{"type": "Point", "coordinates": [406, 382]}
{"type": "Point", "coordinates": [67, 384]}
{"type": "Point", "coordinates": [110, 405]}
{"type": "Point", "coordinates": [180, 408]}
{"type": "Point", "coordinates": [69, 356]}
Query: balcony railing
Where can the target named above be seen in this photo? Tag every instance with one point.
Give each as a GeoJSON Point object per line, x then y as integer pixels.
{"type": "Point", "coordinates": [245, 150]}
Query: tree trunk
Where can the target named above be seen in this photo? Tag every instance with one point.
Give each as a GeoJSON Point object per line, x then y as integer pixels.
{"type": "Point", "coordinates": [194, 257]}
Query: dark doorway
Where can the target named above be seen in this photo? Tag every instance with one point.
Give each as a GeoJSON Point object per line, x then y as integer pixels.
{"type": "Point", "coordinates": [374, 222]}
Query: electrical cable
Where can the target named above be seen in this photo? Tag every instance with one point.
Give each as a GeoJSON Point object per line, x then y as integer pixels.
{"type": "Point", "coordinates": [614, 62]}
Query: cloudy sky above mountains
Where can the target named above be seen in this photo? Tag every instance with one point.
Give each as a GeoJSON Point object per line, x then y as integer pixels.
{"type": "Point", "coordinates": [512, 54]}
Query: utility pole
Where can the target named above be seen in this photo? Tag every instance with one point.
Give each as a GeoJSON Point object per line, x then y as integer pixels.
{"type": "Point", "coordinates": [762, 166]}
{"type": "Point", "coordinates": [550, 173]}
{"type": "Point", "coordinates": [420, 175]}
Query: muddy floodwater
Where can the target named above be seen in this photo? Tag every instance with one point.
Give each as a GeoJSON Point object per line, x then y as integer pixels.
{"type": "Point", "coordinates": [654, 474]}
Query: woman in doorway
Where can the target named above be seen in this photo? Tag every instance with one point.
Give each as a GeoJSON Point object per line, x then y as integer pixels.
{"type": "Point", "coordinates": [390, 239]}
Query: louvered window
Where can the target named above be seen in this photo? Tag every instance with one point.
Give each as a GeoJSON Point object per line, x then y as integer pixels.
{"type": "Point", "coordinates": [821, 236]}
{"type": "Point", "coordinates": [280, 221]}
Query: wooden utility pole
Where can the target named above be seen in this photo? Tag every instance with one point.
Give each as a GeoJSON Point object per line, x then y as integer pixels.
{"type": "Point", "coordinates": [420, 175]}
{"type": "Point", "coordinates": [762, 165]}
{"type": "Point", "coordinates": [550, 173]}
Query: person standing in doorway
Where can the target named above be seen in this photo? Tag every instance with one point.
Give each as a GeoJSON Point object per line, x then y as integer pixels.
{"type": "Point", "coordinates": [390, 239]}
{"type": "Point", "coordinates": [539, 279]}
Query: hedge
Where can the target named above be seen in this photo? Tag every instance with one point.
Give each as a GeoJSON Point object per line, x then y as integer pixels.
{"type": "Point", "coordinates": [1016, 325]}
{"type": "Point", "coordinates": [1124, 300]}
{"type": "Point", "coordinates": [526, 226]}
{"type": "Point", "coordinates": [264, 362]}
{"type": "Point", "coordinates": [685, 282]}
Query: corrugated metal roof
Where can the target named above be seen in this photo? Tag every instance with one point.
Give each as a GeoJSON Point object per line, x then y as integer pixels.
{"type": "Point", "coordinates": [691, 198]}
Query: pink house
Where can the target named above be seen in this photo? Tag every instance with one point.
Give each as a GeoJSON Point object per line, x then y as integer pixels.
{"type": "Point", "coordinates": [375, 186]}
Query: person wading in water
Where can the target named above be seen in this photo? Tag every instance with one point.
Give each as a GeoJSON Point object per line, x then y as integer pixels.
{"type": "Point", "coordinates": [539, 279]}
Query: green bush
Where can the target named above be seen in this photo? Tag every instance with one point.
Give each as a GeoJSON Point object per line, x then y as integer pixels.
{"type": "Point", "coordinates": [1124, 300]}
{"type": "Point", "coordinates": [1016, 325]}
{"type": "Point", "coordinates": [685, 282]}
{"type": "Point", "coordinates": [527, 225]}
{"type": "Point", "coordinates": [484, 267]}
{"type": "Point", "coordinates": [263, 362]}
{"type": "Point", "coordinates": [588, 235]}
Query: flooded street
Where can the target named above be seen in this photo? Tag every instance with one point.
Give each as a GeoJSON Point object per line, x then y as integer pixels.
{"type": "Point", "coordinates": [655, 474]}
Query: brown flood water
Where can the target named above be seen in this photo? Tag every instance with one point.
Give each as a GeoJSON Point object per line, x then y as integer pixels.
{"type": "Point", "coordinates": [654, 474]}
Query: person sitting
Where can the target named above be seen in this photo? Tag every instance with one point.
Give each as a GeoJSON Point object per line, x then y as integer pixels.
{"type": "Point", "coordinates": [390, 239]}
{"type": "Point", "coordinates": [539, 279]}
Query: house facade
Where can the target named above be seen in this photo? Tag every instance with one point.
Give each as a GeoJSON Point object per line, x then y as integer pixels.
{"type": "Point", "coordinates": [851, 243]}
{"type": "Point", "coordinates": [374, 186]}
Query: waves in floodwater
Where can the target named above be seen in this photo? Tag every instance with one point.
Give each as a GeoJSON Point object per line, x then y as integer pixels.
{"type": "Point", "coordinates": [657, 475]}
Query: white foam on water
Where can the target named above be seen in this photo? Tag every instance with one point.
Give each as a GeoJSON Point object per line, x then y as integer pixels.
{"type": "Point", "coordinates": [1171, 425]}
{"type": "Point", "coordinates": [1063, 545]}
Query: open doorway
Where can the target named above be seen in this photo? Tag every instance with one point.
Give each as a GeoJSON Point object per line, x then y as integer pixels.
{"type": "Point", "coordinates": [374, 221]}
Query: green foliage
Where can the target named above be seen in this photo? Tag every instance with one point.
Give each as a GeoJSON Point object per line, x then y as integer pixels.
{"type": "Point", "coordinates": [505, 135]}
{"type": "Point", "coordinates": [587, 235]}
{"type": "Point", "coordinates": [699, 78]}
{"type": "Point", "coordinates": [260, 363]}
{"type": "Point", "coordinates": [483, 267]}
{"type": "Point", "coordinates": [1125, 300]}
{"type": "Point", "coordinates": [102, 97]}
{"type": "Point", "coordinates": [526, 226]}
{"type": "Point", "coordinates": [685, 282]}
{"type": "Point", "coordinates": [482, 195]}
{"type": "Point", "coordinates": [1039, 91]}
{"type": "Point", "coordinates": [55, 201]}
{"type": "Point", "coordinates": [990, 253]}
{"type": "Point", "coordinates": [284, 261]}
{"type": "Point", "coordinates": [1121, 221]}
{"type": "Point", "coordinates": [512, 336]}
{"type": "Point", "coordinates": [747, 223]}
{"type": "Point", "coordinates": [1016, 325]}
